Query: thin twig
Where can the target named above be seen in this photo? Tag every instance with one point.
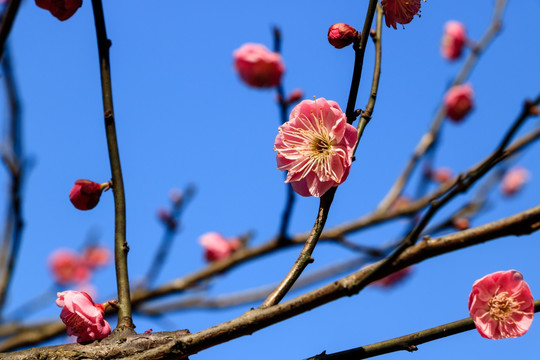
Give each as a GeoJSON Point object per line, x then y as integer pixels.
{"type": "Point", "coordinates": [120, 244]}
{"type": "Point", "coordinates": [14, 221]}
{"type": "Point", "coordinates": [7, 23]}
{"type": "Point", "coordinates": [407, 342]}
{"type": "Point", "coordinates": [430, 138]}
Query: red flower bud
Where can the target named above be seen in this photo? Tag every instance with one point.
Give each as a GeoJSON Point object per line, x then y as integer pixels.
{"type": "Point", "coordinates": [459, 102]}
{"type": "Point", "coordinates": [61, 9]}
{"type": "Point", "coordinates": [295, 95]}
{"type": "Point", "coordinates": [341, 35]}
{"type": "Point", "coordinates": [85, 194]}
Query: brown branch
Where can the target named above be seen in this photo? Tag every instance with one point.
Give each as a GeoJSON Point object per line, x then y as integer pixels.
{"type": "Point", "coordinates": [407, 342]}
{"type": "Point", "coordinates": [178, 344]}
{"type": "Point", "coordinates": [120, 244]}
{"type": "Point", "coordinates": [430, 138]}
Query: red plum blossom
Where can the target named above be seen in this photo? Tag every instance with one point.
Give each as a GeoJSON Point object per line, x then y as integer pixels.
{"type": "Point", "coordinates": [501, 305]}
{"type": "Point", "coordinates": [61, 9]}
{"type": "Point", "coordinates": [315, 146]}
{"type": "Point", "coordinates": [399, 11]}
{"type": "Point", "coordinates": [513, 180]}
{"type": "Point", "coordinates": [458, 102]}
{"type": "Point", "coordinates": [85, 194]}
{"type": "Point", "coordinates": [216, 247]}
{"type": "Point", "coordinates": [68, 267]}
{"type": "Point", "coordinates": [258, 66]}
{"type": "Point", "coordinates": [453, 40]}
{"type": "Point", "coordinates": [341, 35]}
{"type": "Point", "coordinates": [83, 318]}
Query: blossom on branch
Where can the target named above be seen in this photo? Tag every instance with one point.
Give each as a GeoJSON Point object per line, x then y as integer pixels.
{"type": "Point", "coordinates": [258, 66]}
{"type": "Point", "coordinates": [315, 146]}
{"type": "Point", "coordinates": [96, 256]}
{"type": "Point", "coordinates": [501, 305]}
{"type": "Point", "coordinates": [341, 35]}
{"type": "Point", "coordinates": [453, 40]}
{"type": "Point", "coordinates": [459, 101]}
{"type": "Point", "coordinates": [83, 318]}
{"type": "Point", "coordinates": [61, 9]}
{"type": "Point", "coordinates": [68, 267]}
{"type": "Point", "coordinates": [399, 11]}
{"type": "Point", "coordinates": [216, 247]}
{"type": "Point", "coordinates": [85, 194]}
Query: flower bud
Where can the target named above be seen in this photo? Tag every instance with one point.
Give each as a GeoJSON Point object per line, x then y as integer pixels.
{"type": "Point", "coordinates": [61, 9]}
{"type": "Point", "coordinates": [341, 35]}
{"type": "Point", "coordinates": [258, 66]}
{"type": "Point", "coordinates": [453, 40]}
{"type": "Point", "coordinates": [514, 180]}
{"type": "Point", "coordinates": [458, 102]}
{"type": "Point", "coordinates": [295, 95]}
{"type": "Point", "coordinates": [85, 194]}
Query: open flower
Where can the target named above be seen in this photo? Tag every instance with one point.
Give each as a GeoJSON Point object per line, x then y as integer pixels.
{"type": "Point", "coordinates": [61, 9]}
{"type": "Point", "coordinates": [399, 11]}
{"type": "Point", "coordinates": [216, 247]}
{"type": "Point", "coordinates": [501, 305]}
{"type": "Point", "coordinates": [85, 194]}
{"type": "Point", "coordinates": [82, 317]}
{"type": "Point", "coordinates": [68, 267]}
{"type": "Point", "coordinates": [258, 66]}
{"type": "Point", "coordinates": [315, 146]}
{"type": "Point", "coordinates": [459, 101]}
{"type": "Point", "coordinates": [453, 40]}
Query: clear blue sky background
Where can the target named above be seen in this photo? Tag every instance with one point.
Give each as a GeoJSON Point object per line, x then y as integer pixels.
{"type": "Point", "coordinates": [183, 116]}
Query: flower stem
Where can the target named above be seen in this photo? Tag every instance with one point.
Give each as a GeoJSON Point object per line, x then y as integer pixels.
{"type": "Point", "coordinates": [120, 244]}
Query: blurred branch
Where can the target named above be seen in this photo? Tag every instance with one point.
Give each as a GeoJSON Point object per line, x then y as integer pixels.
{"type": "Point", "coordinates": [7, 23]}
{"type": "Point", "coordinates": [407, 342]}
{"type": "Point", "coordinates": [167, 240]}
{"type": "Point", "coordinates": [170, 344]}
{"type": "Point", "coordinates": [13, 158]}
{"type": "Point", "coordinates": [120, 244]}
{"type": "Point", "coordinates": [430, 138]}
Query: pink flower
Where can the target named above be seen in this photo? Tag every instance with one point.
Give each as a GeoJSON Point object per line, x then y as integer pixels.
{"type": "Point", "coordinates": [458, 102]}
{"type": "Point", "coordinates": [216, 247]}
{"type": "Point", "coordinates": [68, 267]}
{"type": "Point", "coordinates": [453, 40]}
{"type": "Point", "coordinates": [82, 317]}
{"type": "Point", "coordinates": [85, 194]}
{"type": "Point", "coordinates": [95, 256]}
{"type": "Point", "coordinates": [461, 223]}
{"type": "Point", "coordinates": [258, 66]}
{"type": "Point", "coordinates": [501, 305]}
{"type": "Point", "coordinates": [315, 146]}
{"type": "Point", "coordinates": [61, 9]}
{"type": "Point", "coordinates": [341, 35]}
{"type": "Point", "coordinates": [399, 11]}
{"type": "Point", "coordinates": [394, 278]}
{"type": "Point", "coordinates": [513, 180]}
{"type": "Point", "coordinates": [441, 174]}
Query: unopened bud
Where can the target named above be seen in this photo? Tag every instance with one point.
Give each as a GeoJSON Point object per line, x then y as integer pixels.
{"type": "Point", "coordinates": [295, 95]}
{"type": "Point", "coordinates": [85, 194]}
{"type": "Point", "coordinates": [341, 35]}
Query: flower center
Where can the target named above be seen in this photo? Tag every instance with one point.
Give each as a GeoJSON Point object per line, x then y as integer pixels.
{"type": "Point", "coordinates": [501, 306]}
{"type": "Point", "coordinates": [321, 145]}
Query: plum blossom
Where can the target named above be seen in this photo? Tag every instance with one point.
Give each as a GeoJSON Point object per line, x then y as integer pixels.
{"type": "Point", "coordinates": [513, 180]}
{"type": "Point", "coordinates": [315, 146]}
{"type": "Point", "coordinates": [85, 194]}
{"type": "Point", "coordinates": [216, 247]}
{"type": "Point", "coordinates": [459, 101]}
{"type": "Point", "coordinates": [83, 318]}
{"type": "Point", "coordinates": [61, 9]}
{"type": "Point", "coordinates": [453, 40]}
{"type": "Point", "coordinates": [258, 66]}
{"type": "Point", "coordinates": [68, 267]}
{"type": "Point", "coordinates": [96, 256]}
{"type": "Point", "coordinates": [501, 305]}
{"type": "Point", "coordinates": [341, 35]}
{"type": "Point", "coordinates": [400, 11]}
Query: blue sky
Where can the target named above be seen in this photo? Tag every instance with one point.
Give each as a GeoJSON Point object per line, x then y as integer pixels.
{"type": "Point", "coordinates": [183, 116]}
